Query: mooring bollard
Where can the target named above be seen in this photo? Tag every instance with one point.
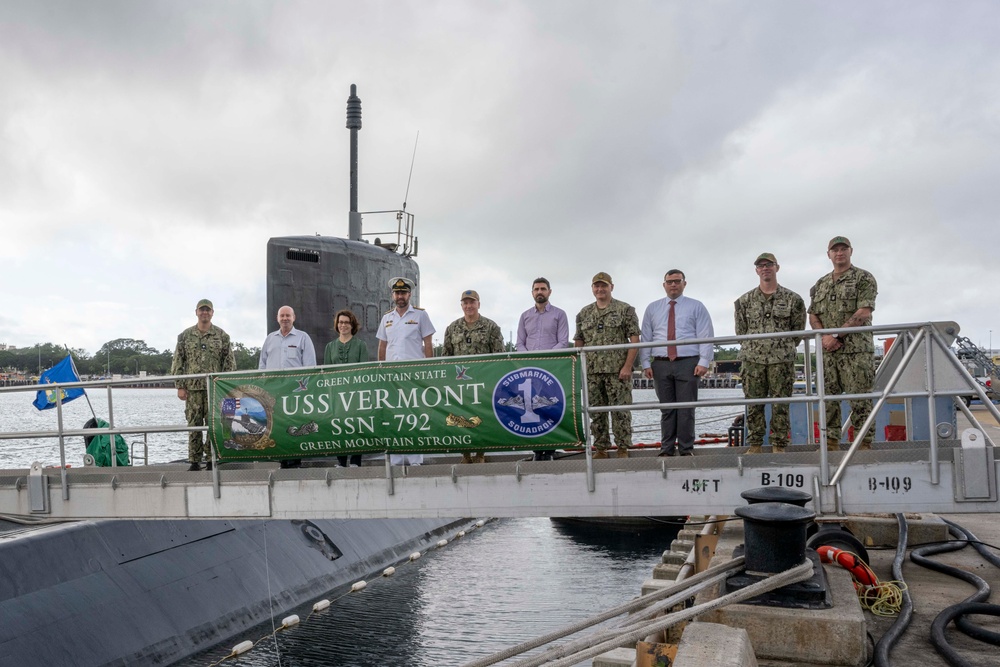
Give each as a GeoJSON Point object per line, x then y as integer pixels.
{"type": "Point", "coordinates": [774, 535]}
{"type": "Point", "coordinates": [776, 494]}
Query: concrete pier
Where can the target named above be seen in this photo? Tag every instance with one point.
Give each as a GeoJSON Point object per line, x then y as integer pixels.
{"type": "Point", "coordinates": [746, 636]}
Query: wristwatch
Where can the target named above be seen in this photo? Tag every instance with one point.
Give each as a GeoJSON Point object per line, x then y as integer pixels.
{"type": "Point", "coordinates": [835, 335]}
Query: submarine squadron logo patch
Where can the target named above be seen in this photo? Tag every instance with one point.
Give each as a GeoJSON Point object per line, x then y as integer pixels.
{"type": "Point", "coordinates": [529, 402]}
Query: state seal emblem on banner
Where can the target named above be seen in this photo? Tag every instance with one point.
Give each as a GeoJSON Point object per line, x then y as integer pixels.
{"type": "Point", "coordinates": [247, 416]}
{"type": "Point", "coordinates": [529, 402]}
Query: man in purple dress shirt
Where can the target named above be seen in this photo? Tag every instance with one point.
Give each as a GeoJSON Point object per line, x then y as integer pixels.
{"type": "Point", "coordinates": [543, 327]}
{"type": "Point", "coordinates": [676, 369]}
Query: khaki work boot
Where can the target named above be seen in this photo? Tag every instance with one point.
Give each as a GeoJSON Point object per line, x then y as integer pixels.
{"type": "Point", "coordinates": [481, 457]}
{"type": "Point", "coordinates": [865, 445]}
{"type": "Point", "coordinates": [622, 453]}
{"type": "Point", "coordinates": [601, 454]}
{"type": "Point", "coordinates": [832, 446]}
{"type": "Point", "coordinates": [754, 449]}
{"type": "Point", "coordinates": [778, 449]}
{"type": "Point", "coordinates": [466, 457]}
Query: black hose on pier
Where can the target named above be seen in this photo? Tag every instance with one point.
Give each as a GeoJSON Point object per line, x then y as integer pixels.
{"type": "Point", "coordinates": [971, 605]}
{"type": "Point", "coordinates": [892, 635]}
{"type": "Point", "coordinates": [963, 623]}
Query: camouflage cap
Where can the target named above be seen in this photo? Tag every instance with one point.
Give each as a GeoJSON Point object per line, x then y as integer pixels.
{"type": "Point", "coordinates": [469, 294]}
{"type": "Point", "coordinates": [602, 277]}
{"type": "Point", "coordinates": [837, 240]}
{"type": "Point", "coordinates": [764, 257]}
{"type": "Point", "coordinates": [204, 302]}
{"type": "Point", "coordinates": [401, 284]}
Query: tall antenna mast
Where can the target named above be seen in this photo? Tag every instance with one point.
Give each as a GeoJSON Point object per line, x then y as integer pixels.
{"type": "Point", "coordinates": [354, 124]}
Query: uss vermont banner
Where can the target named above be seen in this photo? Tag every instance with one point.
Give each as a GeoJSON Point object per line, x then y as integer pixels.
{"type": "Point", "coordinates": [516, 401]}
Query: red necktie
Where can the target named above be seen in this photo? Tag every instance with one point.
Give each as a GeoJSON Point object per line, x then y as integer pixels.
{"type": "Point", "coordinates": [671, 333]}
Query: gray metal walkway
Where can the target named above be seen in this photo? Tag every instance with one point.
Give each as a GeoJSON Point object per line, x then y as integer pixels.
{"type": "Point", "coordinates": [950, 472]}
{"type": "Point", "coordinates": [895, 477]}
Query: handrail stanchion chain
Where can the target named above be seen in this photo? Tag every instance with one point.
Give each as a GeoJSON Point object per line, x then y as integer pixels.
{"type": "Point", "coordinates": [824, 459]}
{"type": "Point", "coordinates": [889, 386]}
{"type": "Point", "coordinates": [931, 407]}
{"type": "Point", "coordinates": [591, 482]}
{"type": "Point", "coordinates": [62, 445]}
{"type": "Point", "coordinates": [810, 408]}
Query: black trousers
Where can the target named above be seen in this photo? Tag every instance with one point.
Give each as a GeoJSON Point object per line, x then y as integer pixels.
{"type": "Point", "coordinates": [675, 382]}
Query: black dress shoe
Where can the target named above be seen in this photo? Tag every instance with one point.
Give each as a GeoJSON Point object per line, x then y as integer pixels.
{"type": "Point", "coordinates": [194, 466]}
{"type": "Point", "coordinates": [667, 452]}
{"type": "Point", "coordinates": [208, 465]}
{"type": "Point", "coordinates": [687, 453]}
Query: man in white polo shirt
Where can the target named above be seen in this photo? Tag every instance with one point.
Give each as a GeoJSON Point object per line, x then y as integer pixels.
{"type": "Point", "coordinates": [404, 333]}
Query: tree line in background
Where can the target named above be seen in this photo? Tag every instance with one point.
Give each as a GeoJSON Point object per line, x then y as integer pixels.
{"type": "Point", "coordinates": [127, 356]}
{"type": "Point", "coordinates": [122, 356]}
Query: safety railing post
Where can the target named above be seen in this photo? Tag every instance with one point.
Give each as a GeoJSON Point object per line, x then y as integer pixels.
{"type": "Point", "coordinates": [931, 407]}
{"type": "Point", "coordinates": [591, 482]}
{"type": "Point", "coordinates": [810, 407]}
{"type": "Point", "coordinates": [64, 481]}
{"type": "Point", "coordinates": [824, 459]}
{"type": "Point", "coordinates": [390, 487]}
{"type": "Point", "coordinates": [111, 422]}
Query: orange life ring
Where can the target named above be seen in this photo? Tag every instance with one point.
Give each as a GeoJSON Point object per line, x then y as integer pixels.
{"type": "Point", "coordinates": [862, 574]}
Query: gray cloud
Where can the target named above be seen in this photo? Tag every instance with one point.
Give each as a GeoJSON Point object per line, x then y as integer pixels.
{"type": "Point", "coordinates": [159, 145]}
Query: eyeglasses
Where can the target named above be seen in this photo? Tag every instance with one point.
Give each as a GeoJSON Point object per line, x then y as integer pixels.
{"type": "Point", "coordinates": [766, 265]}
{"type": "Point", "coordinates": [673, 282]}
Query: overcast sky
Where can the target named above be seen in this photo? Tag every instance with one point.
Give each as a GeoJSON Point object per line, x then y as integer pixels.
{"type": "Point", "coordinates": [148, 151]}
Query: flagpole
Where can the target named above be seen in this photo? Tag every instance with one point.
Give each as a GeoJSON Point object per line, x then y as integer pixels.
{"type": "Point", "coordinates": [77, 373]}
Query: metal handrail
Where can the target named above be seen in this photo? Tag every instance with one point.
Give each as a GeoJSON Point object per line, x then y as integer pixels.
{"type": "Point", "coordinates": [820, 397]}
{"type": "Point", "coordinates": [911, 333]}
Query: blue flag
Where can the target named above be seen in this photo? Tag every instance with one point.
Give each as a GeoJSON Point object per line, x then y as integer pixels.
{"type": "Point", "coordinates": [61, 372]}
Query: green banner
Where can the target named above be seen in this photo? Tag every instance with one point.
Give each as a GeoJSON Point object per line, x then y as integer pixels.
{"type": "Point", "coordinates": [484, 403]}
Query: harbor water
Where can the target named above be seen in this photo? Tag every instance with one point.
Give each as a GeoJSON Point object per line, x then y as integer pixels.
{"type": "Point", "coordinates": [508, 581]}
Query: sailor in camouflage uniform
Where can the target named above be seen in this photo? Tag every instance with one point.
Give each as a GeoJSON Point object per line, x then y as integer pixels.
{"type": "Point", "coordinates": [609, 373]}
{"type": "Point", "coordinates": [768, 365]}
{"type": "Point", "coordinates": [472, 334]}
{"type": "Point", "coordinates": [845, 298]}
{"type": "Point", "coordinates": [203, 348]}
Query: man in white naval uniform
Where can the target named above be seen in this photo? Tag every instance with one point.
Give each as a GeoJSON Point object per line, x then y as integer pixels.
{"type": "Point", "coordinates": [404, 333]}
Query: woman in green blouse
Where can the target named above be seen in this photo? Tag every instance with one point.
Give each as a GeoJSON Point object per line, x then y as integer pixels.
{"type": "Point", "coordinates": [346, 350]}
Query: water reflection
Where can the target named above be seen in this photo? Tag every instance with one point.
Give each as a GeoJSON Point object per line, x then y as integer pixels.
{"type": "Point", "coordinates": [511, 580]}
{"type": "Point", "coordinates": [621, 538]}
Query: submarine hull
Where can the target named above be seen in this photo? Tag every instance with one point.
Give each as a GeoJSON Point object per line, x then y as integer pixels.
{"type": "Point", "coordinates": [154, 592]}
